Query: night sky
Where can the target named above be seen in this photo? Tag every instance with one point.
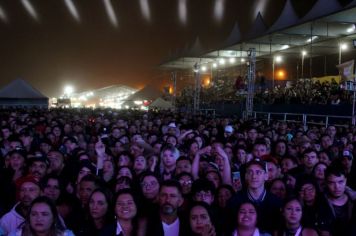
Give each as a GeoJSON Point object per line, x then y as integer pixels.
{"type": "Point", "coordinates": [56, 49]}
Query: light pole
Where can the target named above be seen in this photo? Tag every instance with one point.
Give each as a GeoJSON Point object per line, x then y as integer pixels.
{"type": "Point", "coordinates": [342, 47]}
{"type": "Point", "coordinates": [304, 53]}
{"type": "Point", "coordinates": [276, 59]}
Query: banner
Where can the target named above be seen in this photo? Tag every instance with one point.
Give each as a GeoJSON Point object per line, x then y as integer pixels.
{"type": "Point", "coordinates": [346, 70]}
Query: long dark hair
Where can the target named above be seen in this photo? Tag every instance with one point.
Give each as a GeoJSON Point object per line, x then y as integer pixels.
{"type": "Point", "coordinates": [109, 215]}
{"type": "Point", "coordinates": [57, 228]}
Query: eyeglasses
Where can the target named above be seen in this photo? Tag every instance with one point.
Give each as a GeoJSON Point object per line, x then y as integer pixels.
{"type": "Point", "coordinates": [185, 182]}
{"type": "Point", "coordinates": [149, 185]}
{"type": "Point", "coordinates": [203, 195]}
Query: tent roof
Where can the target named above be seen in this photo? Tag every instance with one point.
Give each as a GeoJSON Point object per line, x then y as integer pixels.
{"type": "Point", "coordinates": [322, 29]}
{"type": "Point", "coordinates": [147, 93]}
{"type": "Point", "coordinates": [160, 103]}
{"type": "Point", "coordinates": [20, 89]}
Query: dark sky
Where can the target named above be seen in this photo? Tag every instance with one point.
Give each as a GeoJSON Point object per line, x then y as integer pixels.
{"type": "Point", "coordinates": [56, 50]}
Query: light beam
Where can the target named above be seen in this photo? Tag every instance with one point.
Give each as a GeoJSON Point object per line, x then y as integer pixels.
{"type": "Point", "coordinates": [145, 9]}
{"type": "Point", "coordinates": [111, 13]}
{"type": "Point", "coordinates": [182, 11]}
{"type": "Point", "coordinates": [30, 9]}
{"type": "Point", "coordinates": [219, 9]}
{"type": "Point", "coordinates": [72, 9]}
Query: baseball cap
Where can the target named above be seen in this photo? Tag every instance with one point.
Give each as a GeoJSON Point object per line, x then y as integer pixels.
{"type": "Point", "coordinates": [347, 154]}
{"type": "Point", "coordinates": [229, 129]}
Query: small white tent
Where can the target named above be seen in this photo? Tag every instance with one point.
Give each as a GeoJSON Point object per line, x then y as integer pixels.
{"type": "Point", "coordinates": [159, 103]}
{"type": "Point", "coordinates": [19, 93]}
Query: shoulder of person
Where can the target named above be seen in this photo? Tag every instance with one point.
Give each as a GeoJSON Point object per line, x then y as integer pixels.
{"type": "Point", "coordinates": [68, 233]}
{"type": "Point", "coordinates": [309, 232]}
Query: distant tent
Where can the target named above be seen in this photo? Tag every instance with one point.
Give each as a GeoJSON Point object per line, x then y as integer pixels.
{"type": "Point", "coordinates": [148, 93]}
{"type": "Point", "coordinates": [258, 27]}
{"type": "Point", "coordinates": [21, 94]}
{"type": "Point", "coordinates": [161, 104]}
{"type": "Point", "coordinates": [196, 49]}
{"type": "Point", "coordinates": [352, 4]}
{"type": "Point", "coordinates": [322, 8]}
{"type": "Point", "coordinates": [287, 18]}
{"type": "Point", "coordinates": [234, 37]}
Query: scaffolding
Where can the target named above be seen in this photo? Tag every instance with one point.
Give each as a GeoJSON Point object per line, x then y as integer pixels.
{"type": "Point", "coordinates": [197, 86]}
{"type": "Point", "coordinates": [251, 76]}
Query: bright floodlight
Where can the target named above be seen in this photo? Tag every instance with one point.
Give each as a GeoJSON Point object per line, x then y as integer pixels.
{"type": "Point", "coordinates": [351, 29]}
{"type": "Point", "coordinates": [222, 61]}
{"type": "Point", "coordinates": [343, 46]}
{"type": "Point", "coordinates": [278, 59]}
{"type": "Point", "coordinates": [30, 9]}
{"type": "Point", "coordinates": [111, 13]}
{"type": "Point", "coordinates": [203, 68]}
{"type": "Point", "coordinates": [72, 9]}
{"type": "Point", "coordinates": [215, 65]}
{"type": "Point", "coordinates": [68, 90]}
{"type": "Point", "coordinates": [232, 60]}
{"type": "Point", "coordinates": [243, 60]}
{"type": "Point", "coordinates": [284, 47]}
{"type": "Point", "coordinates": [304, 52]}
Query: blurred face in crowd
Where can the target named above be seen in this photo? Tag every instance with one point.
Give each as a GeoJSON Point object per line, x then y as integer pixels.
{"type": "Point", "coordinates": [124, 171]}
{"type": "Point", "coordinates": [336, 185]}
{"type": "Point", "coordinates": [241, 156]}
{"type": "Point", "coordinates": [278, 188]}
{"type": "Point", "coordinates": [38, 169]}
{"type": "Point", "coordinates": [55, 161]}
{"type": "Point", "coordinates": [194, 147]}
{"type": "Point", "coordinates": [199, 219]}
{"type": "Point", "coordinates": [5, 133]}
{"type": "Point", "coordinates": [183, 166]}
{"type": "Point", "coordinates": [223, 197]}
{"type": "Point", "coordinates": [29, 192]}
{"type": "Point", "coordinates": [292, 212]}
{"type": "Point", "coordinates": [168, 158]}
{"type": "Point", "coordinates": [172, 140]}
{"type": "Point", "coordinates": [186, 183]}
{"type": "Point", "coordinates": [98, 205]}
{"type": "Point", "coordinates": [255, 176]}
{"type": "Point", "coordinates": [326, 142]}
{"type": "Point", "coordinates": [17, 161]}
{"type": "Point", "coordinates": [331, 131]}
{"type": "Point", "coordinates": [259, 150]}
{"type": "Point", "coordinates": [26, 140]}
{"type": "Point", "coordinates": [310, 159]}
{"type": "Point", "coordinates": [136, 150]}
{"type": "Point", "coordinates": [83, 172]}
{"type": "Point", "coordinates": [273, 171]}
{"type": "Point", "coordinates": [308, 193]}
{"type": "Point", "coordinates": [281, 149]}
{"type": "Point", "coordinates": [150, 187]}
{"type": "Point", "coordinates": [204, 196]}
{"type": "Point", "coordinates": [287, 164]}
{"type": "Point", "coordinates": [247, 216]}
{"type": "Point", "coordinates": [140, 164]}
{"type": "Point", "coordinates": [15, 144]}
{"type": "Point", "coordinates": [170, 199]}
{"type": "Point", "coordinates": [124, 160]}
{"type": "Point", "coordinates": [41, 218]}
{"type": "Point", "coordinates": [125, 208]}
{"type": "Point", "coordinates": [52, 189]}
{"type": "Point", "coordinates": [319, 171]}
{"type": "Point", "coordinates": [213, 177]}
{"type": "Point", "coordinates": [252, 134]}
{"type": "Point", "coordinates": [85, 190]}
{"type": "Point", "coordinates": [324, 157]}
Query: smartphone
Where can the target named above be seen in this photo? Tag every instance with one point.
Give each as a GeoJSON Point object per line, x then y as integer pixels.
{"type": "Point", "coordinates": [236, 181]}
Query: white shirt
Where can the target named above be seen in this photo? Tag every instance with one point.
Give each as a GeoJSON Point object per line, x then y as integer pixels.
{"type": "Point", "coordinates": [256, 233]}
{"type": "Point", "coordinates": [172, 229]}
{"type": "Point", "coordinates": [118, 228]}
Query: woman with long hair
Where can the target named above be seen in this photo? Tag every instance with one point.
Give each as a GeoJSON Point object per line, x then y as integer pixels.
{"type": "Point", "coordinates": [42, 220]}
{"type": "Point", "coordinates": [292, 212]}
{"type": "Point", "coordinates": [127, 217]}
{"type": "Point", "coordinates": [200, 220]}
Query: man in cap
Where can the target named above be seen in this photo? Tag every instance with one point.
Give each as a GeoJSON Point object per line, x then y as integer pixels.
{"type": "Point", "coordinates": [28, 189]}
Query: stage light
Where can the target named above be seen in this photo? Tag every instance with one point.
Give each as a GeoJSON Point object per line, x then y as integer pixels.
{"type": "Point", "coordinates": [351, 29]}
{"type": "Point", "coordinates": [232, 60]}
{"type": "Point", "coordinates": [203, 68]}
{"type": "Point", "coordinates": [111, 13]}
{"type": "Point", "coordinates": [243, 60]}
{"type": "Point", "coordinates": [215, 65]}
{"type": "Point", "coordinates": [30, 9]}
{"type": "Point", "coordinates": [72, 9]}
{"type": "Point", "coordinates": [284, 47]}
{"type": "Point", "coordinates": [222, 61]}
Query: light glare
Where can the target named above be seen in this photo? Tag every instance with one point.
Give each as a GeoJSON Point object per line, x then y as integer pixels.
{"type": "Point", "coordinates": [278, 59]}
{"type": "Point", "coordinates": [343, 46]}
{"type": "Point", "coordinates": [3, 15]}
{"type": "Point", "coordinates": [222, 61]}
{"type": "Point", "coordinates": [219, 9]}
{"type": "Point", "coordinates": [182, 11]}
{"type": "Point", "coordinates": [232, 60]}
{"type": "Point", "coordinates": [72, 9]}
{"type": "Point", "coordinates": [111, 13]}
{"type": "Point", "coordinates": [145, 9]}
{"type": "Point", "coordinates": [30, 9]}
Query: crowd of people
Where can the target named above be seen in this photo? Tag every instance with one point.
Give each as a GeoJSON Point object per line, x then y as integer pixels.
{"type": "Point", "coordinates": [109, 172]}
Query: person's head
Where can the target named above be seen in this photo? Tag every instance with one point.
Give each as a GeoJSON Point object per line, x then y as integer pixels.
{"type": "Point", "coordinates": [140, 164]}
{"type": "Point", "coordinates": [292, 212]}
{"type": "Point", "coordinates": [86, 187]}
{"type": "Point", "coordinates": [38, 166]}
{"type": "Point", "coordinates": [241, 154]}
{"type": "Point", "coordinates": [252, 134]}
{"type": "Point", "coordinates": [184, 164]}
{"type": "Point", "coordinates": [56, 161]}
{"type": "Point", "coordinates": [246, 216]}
{"type": "Point", "coordinates": [336, 181]}
{"type": "Point", "coordinates": [203, 190]}
{"type": "Point", "coordinates": [51, 186]}
{"type": "Point", "coordinates": [331, 131]}
{"type": "Point", "coordinates": [278, 188]}
{"type": "Point", "coordinates": [149, 185]}
{"type": "Point", "coordinates": [185, 179]}
{"type": "Point", "coordinates": [310, 158]}
{"type": "Point", "coordinates": [273, 168]}
{"type": "Point", "coordinates": [288, 163]}
{"type": "Point", "coordinates": [326, 141]}
{"type": "Point", "coordinates": [172, 140]}
{"type": "Point", "coordinates": [126, 205]}
{"type": "Point", "coordinates": [214, 177]}
{"type": "Point", "coordinates": [124, 171]}
{"type": "Point", "coordinates": [28, 189]}
{"type": "Point", "coordinates": [169, 155]}
{"type": "Point", "coordinates": [100, 204]}
{"type": "Point", "coordinates": [200, 218]}
{"type": "Point", "coordinates": [85, 168]}
{"type": "Point", "coordinates": [124, 159]}
{"type": "Point", "coordinates": [122, 183]}
{"type": "Point", "coordinates": [281, 148]}
{"type": "Point", "coordinates": [260, 149]}
{"type": "Point", "coordinates": [256, 174]}
{"type": "Point", "coordinates": [170, 197]}
{"type": "Point", "coordinates": [42, 218]}
{"type": "Point", "coordinates": [307, 190]}
{"type": "Point", "coordinates": [319, 171]}
{"type": "Point", "coordinates": [17, 159]}
{"type": "Point", "coordinates": [224, 193]}
{"type": "Point", "coordinates": [346, 160]}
